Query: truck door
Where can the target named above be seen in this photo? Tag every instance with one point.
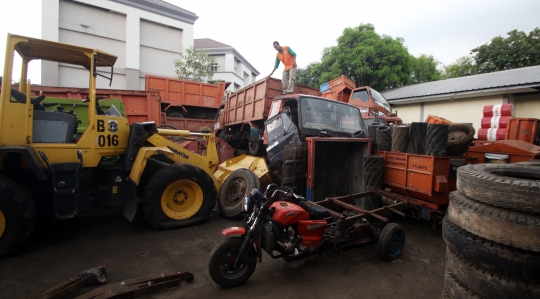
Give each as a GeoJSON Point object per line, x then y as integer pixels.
{"type": "Point", "coordinates": [281, 131]}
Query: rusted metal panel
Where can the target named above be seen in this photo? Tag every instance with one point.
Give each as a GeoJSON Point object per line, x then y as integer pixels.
{"type": "Point", "coordinates": [179, 92]}
{"type": "Point", "coordinates": [524, 129]}
{"type": "Point", "coordinates": [517, 150]}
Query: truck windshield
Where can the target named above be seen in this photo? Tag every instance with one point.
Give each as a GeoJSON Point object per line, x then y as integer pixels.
{"type": "Point", "coordinates": [380, 100]}
{"type": "Point", "coordinates": [338, 117]}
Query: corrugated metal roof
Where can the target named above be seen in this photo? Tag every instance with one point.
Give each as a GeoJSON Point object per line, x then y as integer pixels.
{"type": "Point", "coordinates": [207, 43]}
{"type": "Point", "coordinates": [504, 79]}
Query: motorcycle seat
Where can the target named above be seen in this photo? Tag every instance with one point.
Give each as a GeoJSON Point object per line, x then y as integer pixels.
{"type": "Point", "coordinates": [316, 212]}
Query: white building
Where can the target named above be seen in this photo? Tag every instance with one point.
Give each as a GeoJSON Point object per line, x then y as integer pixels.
{"type": "Point", "coordinates": [229, 65]}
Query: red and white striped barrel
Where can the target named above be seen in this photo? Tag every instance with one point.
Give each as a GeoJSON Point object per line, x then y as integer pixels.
{"type": "Point", "coordinates": [499, 110]}
{"type": "Point", "coordinates": [495, 122]}
{"type": "Point", "coordinates": [491, 134]}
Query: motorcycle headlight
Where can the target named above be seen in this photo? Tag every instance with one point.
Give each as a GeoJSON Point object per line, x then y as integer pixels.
{"type": "Point", "coordinates": [247, 204]}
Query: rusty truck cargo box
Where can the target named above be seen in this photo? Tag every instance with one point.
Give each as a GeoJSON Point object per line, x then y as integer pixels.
{"type": "Point", "coordinates": [177, 92]}
{"type": "Point", "coordinates": [429, 178]}
{"type": "Point", "coordinates": [253, 102]}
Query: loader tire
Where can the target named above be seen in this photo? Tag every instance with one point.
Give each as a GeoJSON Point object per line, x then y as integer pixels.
{"type": "Point", "coordinates": [512, 228]}
{"type": "Point", "coordinates": [400, 138]}
{"type": "Point", "coordinates": [436, 139]}
{"type": "Point", "coordinates": [384, 138]}
{"type": "Point", "coordinates": [236, 185]}
{"type": "Point", "coordinates": [518, 263]}
{"type": "Point", "coordinates": [417, 138]}
{"type": "Point", "coordinates": [373, 177]}
{"type": "Point", "coordinates": [487, 283]}
{"type": "Point", "coordinates": [511, 186]}
{"type": "Point", "coordinates": [456, 290]}
{"type": "Point", "coordinates": [179, 195]}
{"type": "Point", "coordinates": [372, 130]}
{"type": "Point", "coordinates": [17, 216]}
{"type": "Point", "coordinates": [460, 137]}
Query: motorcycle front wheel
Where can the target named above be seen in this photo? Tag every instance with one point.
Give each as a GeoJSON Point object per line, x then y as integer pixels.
{"type": "Point", "coordinates": [222, 260]}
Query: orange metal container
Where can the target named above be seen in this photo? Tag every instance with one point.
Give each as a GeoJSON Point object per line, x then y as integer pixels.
{"type": "Point", "coordinates": [252, 103]}
{"type": "Point", "coordinates": [524, 129]}
{"type": "Point", "coordinates": [432, 119]}
{"type": "Point", "coordinates": [428, 178]}
{"type": "Point", "coordinates": [178, 92]}
{"type": "Point", "coordinates": [338, 89]}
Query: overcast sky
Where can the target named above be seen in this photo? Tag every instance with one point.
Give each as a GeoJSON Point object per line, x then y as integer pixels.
{"type": "Point", "coordinates": [445, 29]}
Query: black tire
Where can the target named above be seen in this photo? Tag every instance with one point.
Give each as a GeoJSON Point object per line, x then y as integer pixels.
{"type": "Point", "coordinates": [522, 264]}
{"type": "Point", "coordinates": [373, 177]}
{"type": "Point", "coordinates": [456, 290]}
{"type": "Point", "coordinates": [400, 138]}
{"type": "Point", "coordinates": [175, 115]}
{"type": "Point", "coordinates": [222, 258]}
{"type": "Point", "coordinates": [511, 186]}
{"type": "Point", "coordinates": [372, 131]}
{"type": "Point", "coordinates": [512, 228]}
{"type": "Point", "coordinates": [384, 138]}
{"type": "Point", "coordinates": [460, 137]}
{"type": "Point", "coordinates": [437, 139]}
{"type": "Point", "coordinates": [489, 284]}
{"type": "Point", "coordinates": [179, 195]}
{"type": "Point", "coordinates": [391, 242]}
{"type": "Point", "coordinates": [17, 216]}
{"type": "Point", "coordinates": [417, 138]}
{"type": "Point", "coordinates": [254, 148]}
{"type": "Point", "coordinates": [236, 185]}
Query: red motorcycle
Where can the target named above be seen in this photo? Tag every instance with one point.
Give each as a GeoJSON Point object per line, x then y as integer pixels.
{"type": "Point", "coordinates": [294, 229]}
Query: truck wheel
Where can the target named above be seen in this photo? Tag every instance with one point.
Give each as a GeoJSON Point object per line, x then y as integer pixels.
{"type": "Point", "coordinates": [522, 264]}
{"type": "Point", "coordinates": [489, 284]}
{"type": "Point", "coordinates": [511, 228]}
{"type": "Point", "coordinates": [455, 289]}
{"type": "Point", "coordinates": [384, 138]}
{"type": "Point", "coordinates": [460, 137]}
{"type": "Point", "coordinates": [437, 139]}
{"type": "Point", "coordinates": [179, 195]}
{"type": "Point", "coordinates": [391, 242]}
{"type": "Point", "coordinates": [17, 215]}
{"type": "Point", "coordinates": [373, 177]}
{"type": "Point", "coordinates": [235, 186]}
{"type": "Point", "coordinates": [417, 138]}
{"type": "Point", "coordinates": [400, 138]}
{"type": "Point", "coordinates": [372, 130]}
{"type": "Point", "coordinates": [510, 186]}
{"type": "Point", "coordinates": [254, 148]}
{"type": "Point", "coordinates": [222, 259]}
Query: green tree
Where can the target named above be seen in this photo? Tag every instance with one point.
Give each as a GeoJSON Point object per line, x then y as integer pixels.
{"type": "Point", "coordinates": [368, 59]}
{"type": "Point", "coordinates": [309, 76]}
{"type": "Point", "coordinates": [425, 69]}
{"type": "Point", "coordinates": [464, 66]}
{"type": "Point", "coordinates": [515, 51]}
{"type": "Point", "coordinates": [194, 65]}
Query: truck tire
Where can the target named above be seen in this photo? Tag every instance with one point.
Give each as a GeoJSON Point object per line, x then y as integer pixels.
{"type": "Point", "coordinates": [510, 186]}
{"type": "Point", "coordinates": [400, 138]}
{"type": "Point", "coordinates": [522, 264]}
{"type": "Point", "coordinates": [391, 242]}
{"type": "Point", "coordinates": [460, 137]}
{"type": "Point", "coordinates": [179, 195]}
{"type": "Point", "coordinates": [384, 138]}
{"type": "Point", "coordinates": [254, 148]}
{"type": "Point", "coordinates": [456, 290]}
{"type": "Point", "coordinates": [436, 139]}
{"type": "Point", "coordinates": [236, 185]}
{"type": "Point", "coordinates": [417, 138]}
{"type": "Point", "coordinates": [487, 283]}
{"type": "Point", "coordinates": [175, 115]}
{"type": "Point", "coordinates": [512, 228]}
{"type": "Point", "coordinates": [372, 130]}
{"type": "Point", "coordinates": [373, 177]}
{"type": "Point", "coordinates": [17, 216]}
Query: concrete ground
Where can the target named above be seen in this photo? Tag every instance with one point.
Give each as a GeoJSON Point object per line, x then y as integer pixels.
{"type": "Point", "coordinates": [59, 250]}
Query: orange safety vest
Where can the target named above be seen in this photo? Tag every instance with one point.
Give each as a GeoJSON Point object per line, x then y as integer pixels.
{"type": "Point", "coordinates": [286, 58]}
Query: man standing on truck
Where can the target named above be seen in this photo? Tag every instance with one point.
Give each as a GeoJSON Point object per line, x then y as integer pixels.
{"type": "Point", "coordinates": [288, 57]}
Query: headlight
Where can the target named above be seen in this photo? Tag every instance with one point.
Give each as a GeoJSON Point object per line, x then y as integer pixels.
{"type": "Point", "coordinates": [247, 204]}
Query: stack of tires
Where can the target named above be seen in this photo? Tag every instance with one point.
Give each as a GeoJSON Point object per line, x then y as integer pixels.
{"type": "Point", "coordinates": [495, 122]}
{"type": "Point", "coordinates": [492, 232]}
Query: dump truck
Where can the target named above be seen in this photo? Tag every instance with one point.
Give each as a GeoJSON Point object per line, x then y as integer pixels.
{"type": "Point", "coordinates": [46, 168]}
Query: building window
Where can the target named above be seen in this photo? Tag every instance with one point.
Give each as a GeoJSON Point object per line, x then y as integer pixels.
{"type": "Point", "coordinates": [214, 66]}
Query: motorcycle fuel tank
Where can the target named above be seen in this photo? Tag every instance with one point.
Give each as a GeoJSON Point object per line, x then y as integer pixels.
{"type": "Point", "coordinates": [286, 213]}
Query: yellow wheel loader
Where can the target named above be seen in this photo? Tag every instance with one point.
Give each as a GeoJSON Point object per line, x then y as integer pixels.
{"type": "Point", "coordinates": [47, 168]}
